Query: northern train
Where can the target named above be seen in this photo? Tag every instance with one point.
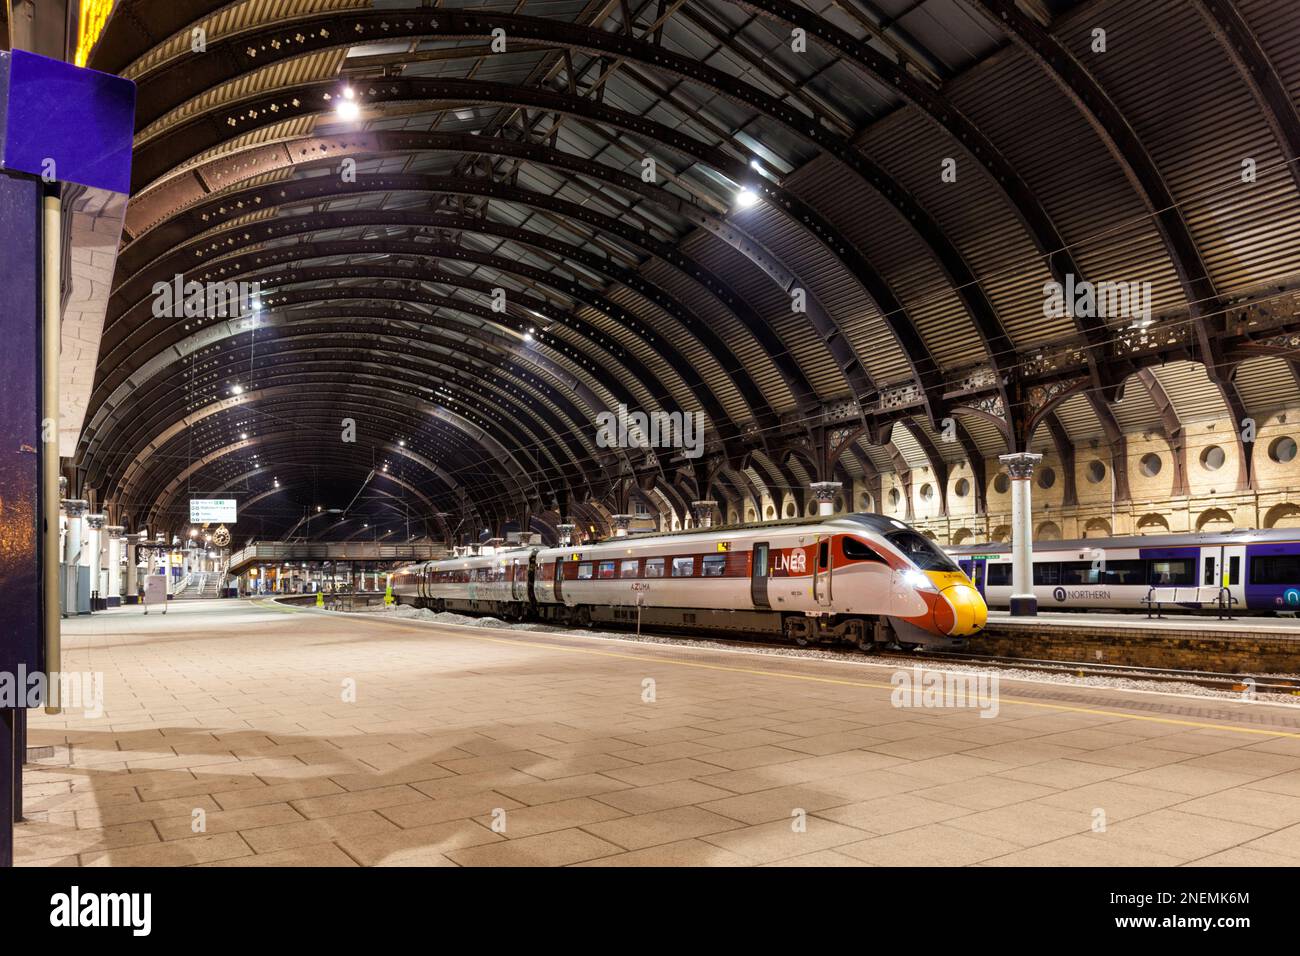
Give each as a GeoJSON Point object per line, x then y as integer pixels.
{"type": "Point", "coordinates": [1260, 570]}
{"type": "Point", "coordinates": [863, 579]}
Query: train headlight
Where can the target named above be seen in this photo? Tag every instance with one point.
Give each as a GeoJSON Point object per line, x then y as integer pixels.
{"type": "Point", "coordinates": [919, 580]}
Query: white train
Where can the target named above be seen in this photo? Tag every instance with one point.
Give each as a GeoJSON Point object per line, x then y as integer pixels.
{"type": "Point", "coordinates": [1256, 571]}
{"type": "Point", "coordinates": [860, 578]}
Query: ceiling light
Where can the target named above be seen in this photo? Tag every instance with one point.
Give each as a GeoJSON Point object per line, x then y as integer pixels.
{"type": "Point", "coordinates": [347, 108]}
{"type": "Point", "coordinates": [237, 390]}
{"type": "Point", "coordinates": [746, 198]}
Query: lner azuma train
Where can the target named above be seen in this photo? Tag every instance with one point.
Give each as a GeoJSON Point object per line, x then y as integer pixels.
{"type": "Point", "coordinates": [1260, 570]}
{"type": "Point", "coordinates": [864, 579]}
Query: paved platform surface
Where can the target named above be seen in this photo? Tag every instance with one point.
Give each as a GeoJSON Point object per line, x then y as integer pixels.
{"type": "Point", "coordinates": [1172, 621]}
{"type": "Point", "coordinates": [474, 747]}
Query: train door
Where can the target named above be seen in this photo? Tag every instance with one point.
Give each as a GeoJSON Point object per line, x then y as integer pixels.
{"type": "Point", "coordinates": [977, 570]}
{"type": "Point", "coordinates": [559, 580]}
{"type": "Point", "coordinates": [1232, 572]}
{"type": "Point", "coordinates": [822, 573]}
{"type": "Point", "coordinates": [515, 583]}
{"type": "Point", "coordinates": [758, 576]}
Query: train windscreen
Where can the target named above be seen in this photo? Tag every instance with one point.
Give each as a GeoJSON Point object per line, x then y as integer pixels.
{"type": "Point", "coordinates": [920, 550]}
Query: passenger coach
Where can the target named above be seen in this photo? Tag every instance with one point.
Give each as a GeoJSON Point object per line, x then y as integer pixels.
{"type": "Point", "coordinates": [1260, 570]}
{"type": "Point", "coordinates": [860, 578]}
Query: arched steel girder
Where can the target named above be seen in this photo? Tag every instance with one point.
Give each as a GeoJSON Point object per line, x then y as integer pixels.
{"type": "Point", "coordinates": [1258, 73]}
{"type": "Point", "coordinates": [1116, 444]}
{"type": "Point", "coordinates": [1126, 148]}
{"type": "Point", "coordinates": [938, 465]}
{"type": "Point", "coordinates": [159, 493]}
{"type": "Point", "coordinates": [1065, 452]}
{"type": "Point", "coordinates": [209, 215]}
{"type": "Point", "coordinates": [508, 469]}
{"type": "Point", "coordinates": [431, 514]}
{"type": "Point", "coordinates": [163, 270]}
{"type": "Point", "coordinates": [566, 460]}
{"type": "Point", "coordinates": [281, 443]}
{"type": "Point", "coordinates": [164, 497]}
{"type": "Point", "coordinates": [1227, 385]}
{"type": "Point", "coordinates": [172, 83]}
{"type": "Point", "coordinates": [434, 332]}
{"type": "Point", "coordinates": [497, 466]}
{"type": "Point", "coordinates": [168, 376]}
{"type": "Point", "coordinates": [207, 131]}
{"type": "Point", "coordinates": [152, 354]}
{"type": "Point", "coordinates": [934, 106]}
{"type": "Point", "coordinates": [1173, 428]}
{"type": "Point", "coordinates": [308, 151]}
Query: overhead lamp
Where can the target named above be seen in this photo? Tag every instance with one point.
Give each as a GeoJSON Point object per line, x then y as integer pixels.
{"type": "Point", "coordinates": [347, 108]}
{"type": "Point", "coordinates": [746, 198]}
{"type": "Point", "coordinates": [236, 390]}
{"type": "Point", "coordinates": [243, 436]}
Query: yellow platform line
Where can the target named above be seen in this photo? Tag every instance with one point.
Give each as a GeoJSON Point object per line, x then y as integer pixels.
{"type": "Point", "coordinates": [759, 672]}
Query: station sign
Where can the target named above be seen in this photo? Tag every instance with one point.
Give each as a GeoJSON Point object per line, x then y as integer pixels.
{"type": "Point", "coordinates": [208, 510]}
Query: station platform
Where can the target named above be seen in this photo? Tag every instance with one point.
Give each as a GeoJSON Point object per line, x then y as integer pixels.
{"type": "Point", "coordinates": [473, 746]}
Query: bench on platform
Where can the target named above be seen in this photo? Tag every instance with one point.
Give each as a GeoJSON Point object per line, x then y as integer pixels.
{"type": "Point", "coordinates": [1198, 597]}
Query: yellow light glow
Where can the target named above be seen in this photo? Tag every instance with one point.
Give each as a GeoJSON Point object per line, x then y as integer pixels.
{"type": "Point", "coordinates": [90, 24]}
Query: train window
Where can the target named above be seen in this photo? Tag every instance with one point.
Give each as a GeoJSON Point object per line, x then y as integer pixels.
{"type": "Point", "coordinates": [1079, 572]}
{"type": "Point", "coordinates": [1125, 572]}
{"type": "Point", "coordinates": [1209, 570]}
{"type": "Point", "coordinates": [998, 575]}
{"type": "Point", "coordinates": [584, 571]}
{"type": "Point", "coordinates": [1047, 573]}
{"type": "Point", "coordinates": [1234, 570]}
{"type": "Point", "coordinates": [824, 555]}
{"type": "Point", "coordinates": [714, 565]}
{"type": "Point", "coordinates": [856, 550]}
{"type": "Point", "coordinates": [628, 569]}
{"type": "Point", "coordinates": [683, 567]}
{"type": "Point", "coordinates": [606, 569]}
{"type": "Point", "coordinates": [920, 550]}
{"type": "Point", "coordinates": [1275, 569]}
{"type": "Point", "coordinates": [654, 567]}
{"type": "Point", "coordinates": [1172, 571]}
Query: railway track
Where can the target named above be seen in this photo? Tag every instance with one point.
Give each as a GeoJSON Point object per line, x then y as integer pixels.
{"type": "Point", "coordinates": [1214, 680]}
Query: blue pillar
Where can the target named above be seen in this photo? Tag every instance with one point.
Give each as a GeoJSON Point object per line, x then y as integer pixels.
{"type": "Point", "coordinates": [59, 124]}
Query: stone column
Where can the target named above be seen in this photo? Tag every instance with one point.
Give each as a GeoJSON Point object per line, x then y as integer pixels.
{"type": "Point", "coordinates": [96, 536]}
{"type": "Point", "coordinates": [75, 509]}
{"type": "Point", "coordinates": [132, 595]}
{"type": "Point", "coordinates": [1020, 467]}
{"type": "Point", "coordinates": [824, 492]}
{"type": "Point", "coordinates": [703, 512]}
{"type": "Point", "coordinates": [565, 533]}
{"type": "Point", "coordinates": [621, 524]}
{"type": "Point", "coordinates": [113, 596]}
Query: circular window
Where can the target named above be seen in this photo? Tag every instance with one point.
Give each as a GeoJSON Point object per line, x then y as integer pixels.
{"type": "Point", "coordinates": [894, 497]}
{"type": "Point", "coordinates": [962, 488]}
{"type": "Point", "coordinates": [770, 512]}
{"type": "Point", "coordinates": [864, 502]}
{"type": "Point", "coordinates": [1212, 458]}
{"type": "Point", "coordinates": [926, 492]}
{"type": "Point", "coordinates": [1151, 465]}
{"type": "Point", "coordinates": [1046, 477]}
{"type": "Point", "coordinates": [789, 510]}
{"type": "Point", "coordinates": [1001, 484]}
{"type": "Point", "coordinates": [1282, 450]}
{"type": "Point", "coordinates": [1095, 472]}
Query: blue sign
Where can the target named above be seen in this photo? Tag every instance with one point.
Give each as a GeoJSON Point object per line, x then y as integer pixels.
{"type": "Point", "coordinates": [65, 123]}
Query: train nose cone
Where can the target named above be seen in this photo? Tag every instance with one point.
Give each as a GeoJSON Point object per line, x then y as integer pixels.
{"type": "Point", "coordinates": [968, 607]}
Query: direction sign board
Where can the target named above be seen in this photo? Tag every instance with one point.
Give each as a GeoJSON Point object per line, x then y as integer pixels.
{"type": "Point", "coordinates": [208, 510]}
